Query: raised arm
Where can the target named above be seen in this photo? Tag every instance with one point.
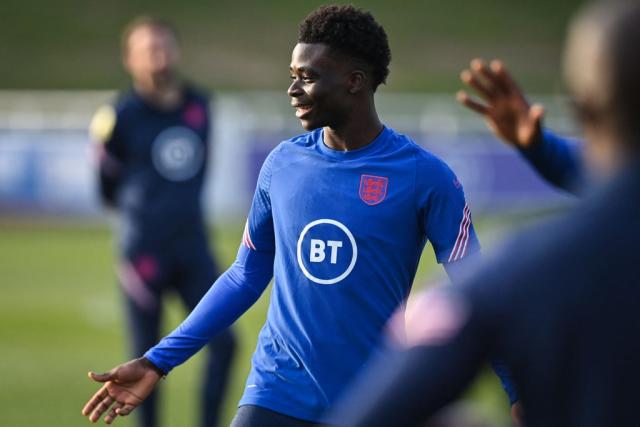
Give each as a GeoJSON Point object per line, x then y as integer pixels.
{"type": "Point", "coordinates": [519, 124]}
{"type": "Point", "coordinates": [558, 161]}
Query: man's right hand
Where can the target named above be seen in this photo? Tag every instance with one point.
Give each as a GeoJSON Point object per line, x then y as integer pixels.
{"type": "Point", "coordinates": [125, 387]}
{"type": "Point", "coordinates": [505, 108]}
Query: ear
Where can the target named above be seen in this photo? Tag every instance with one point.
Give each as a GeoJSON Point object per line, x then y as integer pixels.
{"type": "Point", "coordinates": [357, 81]}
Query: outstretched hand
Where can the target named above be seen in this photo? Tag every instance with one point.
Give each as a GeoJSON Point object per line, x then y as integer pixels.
{"type": "Point", "coordinates": [504, 106]}
{"type": "Point", "coordinates": [125, 387]}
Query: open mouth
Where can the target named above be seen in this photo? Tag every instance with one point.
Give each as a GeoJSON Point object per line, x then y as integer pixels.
{"type": "Point", "coordinates": [302, 110]}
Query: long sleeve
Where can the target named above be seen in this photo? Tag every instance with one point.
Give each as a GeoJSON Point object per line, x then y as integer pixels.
{"type": "Point", "coordinates": [231, 295]}
{"type": "Point", "coordinates": [110, 153]}
{"type": "Point", "coordinates": [558, 161]}
{"type": "Point", "coordinates": [234, 292]}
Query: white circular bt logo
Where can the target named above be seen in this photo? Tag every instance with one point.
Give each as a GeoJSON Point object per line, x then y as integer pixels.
{"type": "Point", "coordinates": [326, 251]}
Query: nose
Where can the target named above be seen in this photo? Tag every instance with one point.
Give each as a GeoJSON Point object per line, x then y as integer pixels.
{"type": "Point", "coordinates": [161, 58]}
{"type": "Point", "coordinates": [294, 90]}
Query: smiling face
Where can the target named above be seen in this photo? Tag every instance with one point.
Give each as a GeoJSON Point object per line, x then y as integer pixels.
{"type": "Point", "coordinates": [322, 88]}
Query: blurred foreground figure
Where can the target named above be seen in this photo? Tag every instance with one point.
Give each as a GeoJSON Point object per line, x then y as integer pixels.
{"type": "Point", "coordinates": [561, 302]}
{"type": "Point", "coordinates": [153, 146]}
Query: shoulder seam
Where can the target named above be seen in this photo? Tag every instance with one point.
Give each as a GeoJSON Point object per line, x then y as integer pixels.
{"type": "Point", "coordinates": [271, 159]}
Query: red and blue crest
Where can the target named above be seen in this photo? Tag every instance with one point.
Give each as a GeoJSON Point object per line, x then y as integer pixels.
{"type": "Point", "coordinates": [373, 189]}
{"type": "Point", "coordinates": [195, 115]}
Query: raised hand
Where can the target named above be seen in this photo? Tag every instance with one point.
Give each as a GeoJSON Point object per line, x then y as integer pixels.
{"type": "Point", "coordinates": [125, 387]}
{"type": "Point", "coordinates": [504, 107]}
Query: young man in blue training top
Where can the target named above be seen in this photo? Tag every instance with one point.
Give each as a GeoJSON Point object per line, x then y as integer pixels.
{"type": "Point", "coordinates": [153, 144]}
{"type": "Point", "coordinates": [340, 217]}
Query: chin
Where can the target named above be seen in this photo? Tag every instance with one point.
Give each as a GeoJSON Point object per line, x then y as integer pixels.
{"type": "Point", "coordinates": [163, 78]}
{"type": "Point", "coordinates": [310, 125]}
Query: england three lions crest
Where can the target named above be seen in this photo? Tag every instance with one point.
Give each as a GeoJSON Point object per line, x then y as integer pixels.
{"type": "Point", "coordinates": [373, 189]}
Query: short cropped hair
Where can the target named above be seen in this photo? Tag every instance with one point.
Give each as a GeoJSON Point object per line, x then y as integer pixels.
{"type": "Point", "coordinates": [145, 21]}
{"type": "Point", "coordinates": [352, 32]}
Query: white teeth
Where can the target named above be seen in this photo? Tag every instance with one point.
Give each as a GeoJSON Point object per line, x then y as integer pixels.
{"type": "Point", "coordinates": [302, 110]}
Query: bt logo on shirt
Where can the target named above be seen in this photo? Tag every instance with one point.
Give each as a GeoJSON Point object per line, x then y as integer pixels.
{"type": "Point", "coordinates": [327, 251]}
{"type": "Point", "coordinates": [318, 250]}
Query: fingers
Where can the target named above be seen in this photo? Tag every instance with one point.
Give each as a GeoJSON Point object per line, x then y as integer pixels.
{"type": "Point", "coordinates": [500, 71]}
{"type": "Point", "coordinates": [101, 408]}
{"type": "Point", "coordinates": [101, 378]}
{"type": "Point", "coordinates": [473, 80]}
{"type": "Point", "coordinates": [470, 103]}
{"type": "Point", "coordinates": [492, 82]}
{"type": "Point", "coordinates": [113, 413]}
{"type": "Point", "coordinates": [98, 397]}
{"type": "Point", "coordinates": [125, 410]}
{"type": "Point", "coordinates": [509, 85]}
{"type": "Point", "coordinates": [535, 116]}
{"type": "Point", "coordinates": [536, 113]}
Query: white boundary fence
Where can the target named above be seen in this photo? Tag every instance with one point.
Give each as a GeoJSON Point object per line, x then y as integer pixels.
{"type": "Point", "coordinates": [46, 160]}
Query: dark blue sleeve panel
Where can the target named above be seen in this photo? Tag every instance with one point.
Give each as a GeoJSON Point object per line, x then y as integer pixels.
{"type": "Point", "coordinates": [108, 178]}
{"type": "Point", "coordinates": [231, 295]}
{"type": "Point", "coordinates": [106, 133]}
{"type": "Point", "coordinates": [558, 161]}
{"type": "Point", "coordinates": [458, 272]}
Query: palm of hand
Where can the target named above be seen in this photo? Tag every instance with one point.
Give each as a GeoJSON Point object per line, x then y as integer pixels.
{"type": "Point", "coordinates": [126, 387]}
{"type": "Point", "coordinates": [509, 118]}
{"type": "Point", "coordinates": [130, 392]}
{"type": "Point", "coordinates": [502, 103]}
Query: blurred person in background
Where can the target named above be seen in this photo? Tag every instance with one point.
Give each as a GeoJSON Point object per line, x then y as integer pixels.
{"type": "Point", "coordinates": [153, 149]}
{"type": "Point", "coordinates": [561, 301]}
{"type": "Point", "coordinates": [340, 217]}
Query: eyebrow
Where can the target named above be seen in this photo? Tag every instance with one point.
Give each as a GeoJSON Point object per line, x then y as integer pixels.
{"type": "Point", "coordinates": [304, 69]}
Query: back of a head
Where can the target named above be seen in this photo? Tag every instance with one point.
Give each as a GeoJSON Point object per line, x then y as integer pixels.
{"type": "Point", "coordinates": [625, 45]}
{"type": "Point", "coordinates": [602, 64]}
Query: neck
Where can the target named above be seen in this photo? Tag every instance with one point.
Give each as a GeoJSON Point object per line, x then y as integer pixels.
{"type": "Point", "coordinates": [356, 132]}
{"type": "Point", "coordinates": [166, 95]}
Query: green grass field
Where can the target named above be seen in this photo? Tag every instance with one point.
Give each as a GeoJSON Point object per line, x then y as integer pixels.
{"type": "Point", "coordinates": [60, 316]}
{"type": "Point", "coordinates": [247, 45]}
